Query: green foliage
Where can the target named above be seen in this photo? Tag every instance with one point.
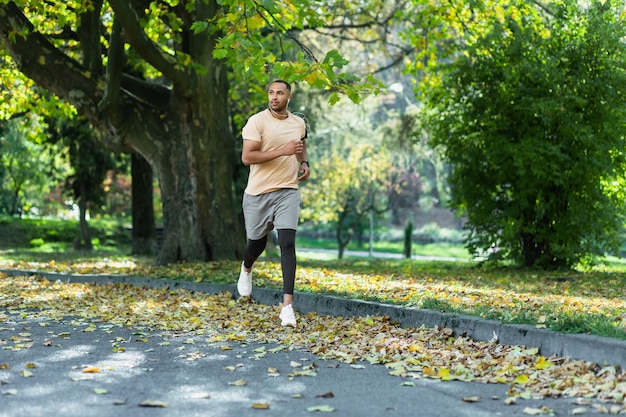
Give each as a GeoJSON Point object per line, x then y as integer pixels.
{"type": "Point", "coordinates": [89, 160]}
{"type": "Point", "coordinates": [259, 41]}
{"type": "Point", "coordinates": [36, 243]}
{"type": "Point", "coordinates": [23, 166]}
{"type": "Point", "coordinates": [20, 233]}
{"type": "Point", "coordinates": [531, 117]}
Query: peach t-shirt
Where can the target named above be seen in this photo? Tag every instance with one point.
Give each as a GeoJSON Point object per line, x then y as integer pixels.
{"type": "Point", "coordinates": [273, 133]}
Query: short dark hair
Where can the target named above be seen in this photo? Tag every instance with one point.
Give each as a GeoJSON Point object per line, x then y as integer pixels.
{"type": "Point", "coordinates": [283, 82]}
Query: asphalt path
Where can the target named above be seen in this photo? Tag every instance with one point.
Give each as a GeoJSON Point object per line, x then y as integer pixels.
{"type": "Point", "coordinates": [76, 367]}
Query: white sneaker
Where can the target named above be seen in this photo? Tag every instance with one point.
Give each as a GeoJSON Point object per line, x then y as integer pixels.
{"type": "Point", "coordinates": [287, 317]}
{"type": "Point", "coordinates": [244, 285]}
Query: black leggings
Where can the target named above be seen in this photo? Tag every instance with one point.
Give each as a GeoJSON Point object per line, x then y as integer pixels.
{"type": "Point", "coordinates": [287, 243]}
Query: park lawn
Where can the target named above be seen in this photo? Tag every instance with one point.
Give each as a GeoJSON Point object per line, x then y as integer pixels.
{"type": "Point", "coordinates": [574, 301]}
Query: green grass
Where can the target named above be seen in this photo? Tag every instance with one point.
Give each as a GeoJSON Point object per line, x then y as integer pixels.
{"type": "Point", "coordinates": [443, 249]}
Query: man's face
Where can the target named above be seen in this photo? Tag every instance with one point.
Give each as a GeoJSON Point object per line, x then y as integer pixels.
{"type": "Point", "coordinates": [278, 96]}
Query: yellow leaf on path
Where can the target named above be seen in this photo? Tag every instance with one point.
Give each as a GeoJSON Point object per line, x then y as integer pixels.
{"type": "Point", "coordinates": [4, 366]}
{"type": "Point", "coordinates": [261, 406]}
{"type": "Point", "coordinates": [90, 328]}
{"type": "Point", "coordinates": [510, 401]}
{"type": "Point", "coordinates": [100, 391]}
{"type": "Point", "coordinates": [272, 370]}
{"type": "Point", "coordinates": [294, 364]}
{"type": "Point", "coordinates": [474, 399]}
{"type": "Point", "coordinates": [444, 374]}
{"type": "Point", "coordinates": [322, 408]}
{"type": "Point", "coordinates": [238, 383]}
{"type": "Point", "coordinates": [30, 365]}
{"type": "Point", "coordinates": [532, 411]}
{"type": "Point", "coordinates": [91, 370]}
{"type": "Point", "coordinates": [26, 374]}
{"type": "Point", "coordinates": [521, 379]}
{"type": "Point", "coordinates": [398, 372]}
{"type": "Point", "coordinates": [578, 411]}
{"type": "Point", "coordinates": [537, 411]}
{"type": "Point", "coordinates": [543, 363]}
{"type": "Point", "coordinates": [151, 403]}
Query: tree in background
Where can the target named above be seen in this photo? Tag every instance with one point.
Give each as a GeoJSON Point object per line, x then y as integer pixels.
{"type": "Point", "coordinates": [350, 177]}
{"type": "Point", "coordinates": [90, 163]}
{"type": "Point", "coordinates": [350, 186]}
{"type": "Point", "coordinates": [531, 116]}
{"type": "Point", "coordinates": [23, 167]}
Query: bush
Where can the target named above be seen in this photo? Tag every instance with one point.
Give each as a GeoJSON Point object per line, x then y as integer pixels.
{"type": "Point", "coordinates": [37, 242]}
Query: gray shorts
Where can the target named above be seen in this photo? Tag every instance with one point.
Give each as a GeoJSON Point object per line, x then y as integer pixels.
{"type": "Point", "coordinates": [278, 209]}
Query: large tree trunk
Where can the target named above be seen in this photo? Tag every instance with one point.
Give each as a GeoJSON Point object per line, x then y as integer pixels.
{"type": "Point", "coordinates": [142, 195]}
{"type": "Point", "coordinates": [83, 242]}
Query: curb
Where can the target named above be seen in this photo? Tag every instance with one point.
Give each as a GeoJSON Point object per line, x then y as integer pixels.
{"type": "Point", "coordinates": [597, 349]}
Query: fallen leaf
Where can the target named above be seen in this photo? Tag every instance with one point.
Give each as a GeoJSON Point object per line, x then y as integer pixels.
{"type": "Point", "coordinates": [521, 379]}
{"type": "Point", "coordinates": [100, 391]}
{"type": "Point", "coordinates": [238, 383]}
{"type": "Point", "coordinates": [11, 391]}
{"type": "Point", "coordinates": [91, 370]}
{"type": "Point", "coordinates": [200, 395]}
{"type": "Point", "coordinates": [474, 399]}
{"type": "Point", "coordinates": [30, 365]}
{"type": "Point", "coordinates": [510, 401]}
{"type": "Point", "coordinates": [152, 403]}
{"type": "Point", "coordinates": [578, 410]}
{"type": "Point", "coordinates": [322, 408]}
{"type": "Point", "coordinates": [408, 384]}
{"type": "Point", "coordinates": [26, 374]}
{"type": "Point", "coordinates": [537, 411]}
{"type": "Point", "coordinates": [120, 402]}
{"type": "Point", "coordinates": [326, 395]}
{"type": "Point", "coordinates": [261, 406]}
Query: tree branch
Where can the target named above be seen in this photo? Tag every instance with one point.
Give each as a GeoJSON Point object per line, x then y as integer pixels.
{"type": "Point", "coordinates": [39, 60]}
{"type": "Point", "coordinates": [113, 84]}
{"type": "Point", "coordinates": [89, 35]}
{"type": "Point", "coordinates": [144, 46]}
